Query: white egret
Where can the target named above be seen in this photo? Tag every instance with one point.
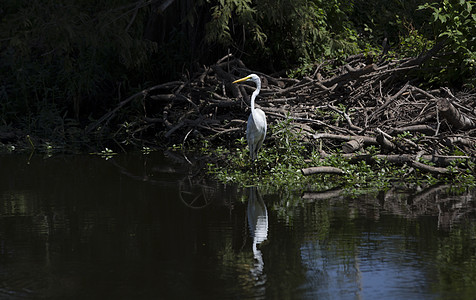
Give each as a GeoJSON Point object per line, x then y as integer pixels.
{"type": "Point", "coordinates": [256, 128]}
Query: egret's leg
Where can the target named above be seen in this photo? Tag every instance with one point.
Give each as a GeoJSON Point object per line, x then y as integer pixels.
{"type": "Point", "coordinates": [252, 151]}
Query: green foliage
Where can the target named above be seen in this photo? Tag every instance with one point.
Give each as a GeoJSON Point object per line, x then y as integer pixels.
{"type": "Point", "coordinates": [293, 31]}
{"type": "Point", "coordinates": [454, 23]}
{"type": "Point", "coordinates": [412, 42]}
{"type": "Point", "coordinates": [283, 156]}
{"type": "Point", "coordinates": [466, 178]}
{"type": "Point", "coordinates": [280, 162]}
{"type": "Point", "coordinates": [218, 29]}
{"type": "Point", "coordinates": [105, 154]}
{"type": "Point", "coordinates": [376, 20]}
{"type": "Point", "coordinates": [297, 34]}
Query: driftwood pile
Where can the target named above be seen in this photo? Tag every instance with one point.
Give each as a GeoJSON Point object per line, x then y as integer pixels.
{"type": "Point", "coordinates": [349, 107]}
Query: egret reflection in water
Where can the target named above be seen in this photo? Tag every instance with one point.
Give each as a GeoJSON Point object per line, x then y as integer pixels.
{"type": "Point", "coordinates": [258, 223]}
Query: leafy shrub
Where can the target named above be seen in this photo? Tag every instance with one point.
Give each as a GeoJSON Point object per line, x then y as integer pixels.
{"type": "Point", "coordinates": [454, 23]}
{"type": "Point", "coordinates": [287, 31]}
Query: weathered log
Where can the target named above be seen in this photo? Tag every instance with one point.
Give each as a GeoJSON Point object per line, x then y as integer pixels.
{"type": "Point", "coordinates": [396, 159]}
{"type": "Point", "coordinates": [321, 170]}
{"type": "Point", "coordinates": [438, 160]}
{"type": "Point", "coordinates": [385, 143]}
{"type": "Point", "coordinates": [454, 116]}
{"type": "Point", "coordinates": [153, 120]}
{"type": "Point", "coordinates": [425, 129]}
{"type": "Point", "coordinates": [400, 160]}
{"type": "Point", "coordinates": [353, 145]}
{"type": "Point", "coordinates": [450, 141]}
{"type": "Point", "coordinates": [427, 168]}
{"type": "Point", "coordinates": [312, 121]}
{"type": "Point", "coordinates": [399, 143]}
{"type": "Point", "coordinates": [350, 75]}
{"type": "Point", "coordinates": [173, 97]}
{"type": "Point", "coordinates": [365, 139]}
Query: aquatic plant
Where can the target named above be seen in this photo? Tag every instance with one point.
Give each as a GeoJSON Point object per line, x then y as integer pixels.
{"type": "Point", "coordinates": [284, 156]}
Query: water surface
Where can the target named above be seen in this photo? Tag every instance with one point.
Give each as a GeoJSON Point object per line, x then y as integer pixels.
{"type": "Point", "coordinates": [150, 227]}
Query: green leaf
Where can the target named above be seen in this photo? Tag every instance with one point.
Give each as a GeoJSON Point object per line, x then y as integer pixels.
{"type": "Point", "coordinates": [442, 18]}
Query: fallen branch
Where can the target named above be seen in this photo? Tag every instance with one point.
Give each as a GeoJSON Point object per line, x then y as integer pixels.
{"type": "Point", "coordinates": [452, 140]}
{"type": "Point", "coordinates": [351, 75]}
{"type": "Point", "coordinates": [425, 129]}
{"type": "Point", "coordinates": [108, 116]}
{"type": "Point", "coordinates": [438, 160]}
{"type": "Point", "coordinates": [365, 139]}
{"type": "Point", "coordinates": [380, 104]}
{"type": "Point", "coordinates": [353, 145]}
{"type": "Point", "coordinates": [390, 100]}
{"type": "Point", "coordinates": [400, 160]}
{"type": "Point", "coordinates": [454, 116]}
{"type": "Point", "coordinates": [321, 170]}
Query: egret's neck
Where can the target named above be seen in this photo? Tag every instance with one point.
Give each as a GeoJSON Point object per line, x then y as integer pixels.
{"type": "Point", "coordinates": [255, 93]}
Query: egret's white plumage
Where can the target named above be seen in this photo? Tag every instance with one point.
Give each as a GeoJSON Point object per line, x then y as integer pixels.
{"type": "Point", "coordinates": [256, 128]}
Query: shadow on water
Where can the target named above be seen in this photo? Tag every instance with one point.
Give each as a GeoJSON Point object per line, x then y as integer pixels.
{"type": "Point", "coordinates": [148, 226]}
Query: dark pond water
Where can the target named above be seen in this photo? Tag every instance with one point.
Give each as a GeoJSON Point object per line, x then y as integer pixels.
{"type": "Point", "coordinates": [144, 227]}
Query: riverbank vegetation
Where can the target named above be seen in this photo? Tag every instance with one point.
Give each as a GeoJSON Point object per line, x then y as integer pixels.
{"type": "Point", "coordinates": [378, 90]}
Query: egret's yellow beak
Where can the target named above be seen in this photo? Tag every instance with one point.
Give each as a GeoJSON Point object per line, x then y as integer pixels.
{"type": "Point", "coordinates": [242, 79]}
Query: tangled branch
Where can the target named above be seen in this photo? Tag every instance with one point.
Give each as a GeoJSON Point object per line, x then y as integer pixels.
{"type": "Point", "coordinates": [357, 104]}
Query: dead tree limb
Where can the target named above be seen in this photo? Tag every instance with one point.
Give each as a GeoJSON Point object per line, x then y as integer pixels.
{"type": "Point", "coordinates": [400, 160]}
{"type": "Point", "coordinates": [454, 116]}
{"type": "Point", "coordinates": [108, 116]}
{"type": "Point", "coordinates": [438, 160]}
{"type": "Point", "coordinates": [321, 170]}
{"type": "Point", "coordinates": [353, 74]}
{"type": "Point", "coordinates": [353, 145]}
{"type": "Point", "coordinates": [451, 140]}
{"type": "Point", "coordinates": [347, 118]}
{"type": "Point", "coordinates": [384, 142]}
{"type": "Point", "coordinates": [425, 129]}
{"type": "Point", "coordinates": [390, 100]}
{"type": "Point", "coordinates": [365, 139]}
